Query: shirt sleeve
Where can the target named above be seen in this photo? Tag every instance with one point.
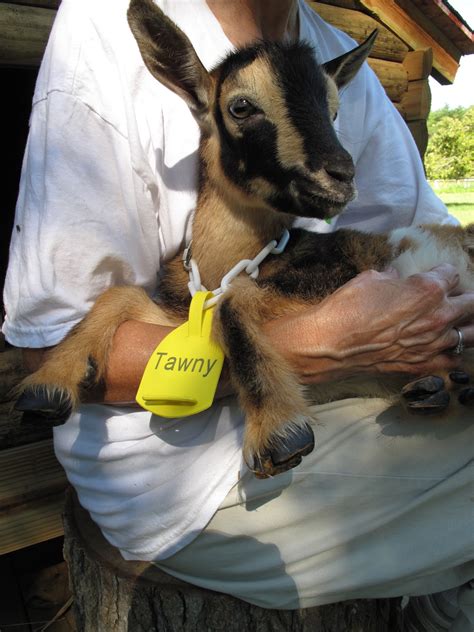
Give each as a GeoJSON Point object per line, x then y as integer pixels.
{"type": "Point", "coordinates": [80, 202]}
{"type": "Point", "coordinates": [392, 189]}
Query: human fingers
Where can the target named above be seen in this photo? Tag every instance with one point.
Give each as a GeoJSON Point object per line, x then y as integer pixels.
{"type": "Point", "coordinates": [462, 336]}
{"type": "Point", "coordinates": [445, 276]}
{"type": "Point", "coordinates": [463, 307]}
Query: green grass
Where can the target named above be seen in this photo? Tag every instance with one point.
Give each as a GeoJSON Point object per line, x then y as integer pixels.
{"type": "Point", "coordinates": [458, 199]}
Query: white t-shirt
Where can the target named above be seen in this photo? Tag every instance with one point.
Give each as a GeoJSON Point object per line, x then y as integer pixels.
{"type": "Point", "coordinates": [106, 195]}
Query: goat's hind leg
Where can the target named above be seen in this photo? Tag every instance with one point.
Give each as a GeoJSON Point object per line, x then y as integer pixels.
{"type": "Point", "coordinates": [79, 362]}
{"type": "Point", "coordinates": [277, 432]}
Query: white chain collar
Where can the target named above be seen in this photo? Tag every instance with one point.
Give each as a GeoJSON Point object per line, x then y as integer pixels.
{"type": "Point", "coordinates": [250, 266]}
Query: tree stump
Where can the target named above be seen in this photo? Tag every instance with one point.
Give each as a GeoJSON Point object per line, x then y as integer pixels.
{"type": "Point", "coordinates": [113, 595]}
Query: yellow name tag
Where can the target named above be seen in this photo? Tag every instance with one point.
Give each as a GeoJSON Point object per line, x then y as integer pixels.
{"type": "Point", "coordinates": [182, 373]}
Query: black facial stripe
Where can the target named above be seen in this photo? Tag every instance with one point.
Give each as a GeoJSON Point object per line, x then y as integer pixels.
{"type": "Point", "coordinates": [305, 90]}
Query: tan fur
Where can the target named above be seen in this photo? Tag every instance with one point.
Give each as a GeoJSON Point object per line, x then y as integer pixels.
{"type": "Point", "coordinates": [370, 253]}
{"type": "Point", "coordinates": [289, 407]}
{"type": "Point", "coordinates": [254, 229]}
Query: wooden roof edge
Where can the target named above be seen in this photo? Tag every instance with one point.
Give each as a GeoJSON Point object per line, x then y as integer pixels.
{"type": "Point", "coordinates": [457, 19]}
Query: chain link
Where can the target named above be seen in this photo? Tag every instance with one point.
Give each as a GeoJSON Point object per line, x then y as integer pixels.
{"type": "Point", "coordinates": [250, 266]}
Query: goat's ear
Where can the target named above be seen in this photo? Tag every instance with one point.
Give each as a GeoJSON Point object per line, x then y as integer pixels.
{"type": "Point", "coordinates": [344, 68]}
{"type": "Point", "coordinates": [169, 55]}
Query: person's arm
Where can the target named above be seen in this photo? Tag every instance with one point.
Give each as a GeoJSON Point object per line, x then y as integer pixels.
{"type": "Point", "coordinates": [133, 344]}
{"type": "Point", "coordinates": [378, 324]}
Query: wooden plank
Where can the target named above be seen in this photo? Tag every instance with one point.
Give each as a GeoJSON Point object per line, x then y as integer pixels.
{"type": "Point", "coordinates": [416, 102]}
{"type": "Point", "coordinates": [418, 64]}
{"type": "Point", "coordinates": [25, 31]}
{"type": "Point", "coordinates": [32, 523]}
{"type": "Point", "coordinates": [392, 76]}
{"type": "Point", "coordinates": [31, 496]}
{"type": "Point", "coordinates": [46, 4]}
{"type": "Point", "coordinates": [29, 472]}
{"type": "Point", "coordinates": [359, 25]}
{"type": "Point", "coordinates": [346, 4]}
{"type": "Point", "coordinates": [395, 18]}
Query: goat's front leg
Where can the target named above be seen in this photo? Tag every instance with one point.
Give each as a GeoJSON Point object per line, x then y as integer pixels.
{"type": "Point", "coordinates": [277, 432]}
{"type": "Point", "coordinates": [79, 362]}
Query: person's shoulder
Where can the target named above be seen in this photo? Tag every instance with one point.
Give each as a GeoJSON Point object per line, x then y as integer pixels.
{"type": "Point", "coordinates": [85, 33]}
{"type": "Point", "coordinates": [327, 40]}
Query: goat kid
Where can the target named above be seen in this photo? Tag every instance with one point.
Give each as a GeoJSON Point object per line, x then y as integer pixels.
{"type": "Point", "coordinates": [268, 154]}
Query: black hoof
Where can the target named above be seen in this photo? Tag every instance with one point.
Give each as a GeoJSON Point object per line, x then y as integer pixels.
{"type": "Point", "coordinates": [43, 404]}
{"type": "Point", "coordinates": [426, 396]}
{"type": "Point", "coordinates": [459, 377]}
{"type": "Point", "coordinates": [423, 387]}
{"type": "Point", "coordinates": [284, 454]}
{"type": "Point", "coordinates": [430, 405]}
{"type": "Point", "coordinates": [466, 397]}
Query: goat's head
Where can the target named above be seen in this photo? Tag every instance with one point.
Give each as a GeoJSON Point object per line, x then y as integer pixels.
{"type": "Point", "coordinates": [266, 115]}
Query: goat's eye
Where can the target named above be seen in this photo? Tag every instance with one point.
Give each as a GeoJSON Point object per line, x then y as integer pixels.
{"type": "Point", "coordinates": [334, 116]}
{"type": "Point", "coordinates": [241, 108]}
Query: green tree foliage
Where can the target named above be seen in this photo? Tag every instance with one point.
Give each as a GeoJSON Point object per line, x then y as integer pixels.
{"type": "Point", "coordinates": [450, 152]}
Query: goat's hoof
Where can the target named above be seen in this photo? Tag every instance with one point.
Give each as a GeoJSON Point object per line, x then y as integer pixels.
{"type": "Point", "coordinates": [42, 403]}
{"type": "Point", "coordinates": [284, 454]}
{"type": "Point", "coordinates": [426, 396]}
{"type": "Point", "coordinates": [423, 387]}
{"type": "Point", "coordinates": [459, 377]}
{"type": "Point", "coordinates": [466, 396]}
{"type": "Point", "coordinates": [430, 404]}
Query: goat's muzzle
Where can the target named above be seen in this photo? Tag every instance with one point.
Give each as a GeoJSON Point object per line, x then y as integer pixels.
{"type": "Point", "coordinates": [323, 194]}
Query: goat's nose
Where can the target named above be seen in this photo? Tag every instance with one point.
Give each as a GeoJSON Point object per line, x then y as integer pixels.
{"type": "Point", "coordinates": [341, 169]}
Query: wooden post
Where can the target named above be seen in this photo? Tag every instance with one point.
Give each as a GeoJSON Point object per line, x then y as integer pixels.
{"type": "Point", "coordinates": [25, 31]}
{"type": "Point", "coordinates": [117, 596]}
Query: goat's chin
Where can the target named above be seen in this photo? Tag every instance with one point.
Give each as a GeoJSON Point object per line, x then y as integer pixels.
{"type": "Point", "coordinates": [321, 209]}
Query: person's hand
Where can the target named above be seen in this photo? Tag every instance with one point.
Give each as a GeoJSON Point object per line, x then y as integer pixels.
{"type": "Point", "coordinates": [379, 323]}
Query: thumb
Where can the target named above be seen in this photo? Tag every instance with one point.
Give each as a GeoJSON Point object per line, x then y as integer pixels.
{"type": "Point", "coordinates": [447, 274]}
{"type": "Point", "coordinates": [391, 273]}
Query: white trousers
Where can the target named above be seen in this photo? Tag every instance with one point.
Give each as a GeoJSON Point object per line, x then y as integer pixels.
{"type": "Point", "coordinates": [384, 506]}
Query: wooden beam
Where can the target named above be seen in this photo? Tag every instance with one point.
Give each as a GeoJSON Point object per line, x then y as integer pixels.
{"type": "Point", "coordinates": [25, 31]}
{"type": "Point", "coordinates": [418, 64]}
{"type": "Point", "coordinates": [392, 76]}
{"type": "Point", "coordinates": [346, 4]}
{"type": "Point", "coordinates": [416, 102]}
{"type": "Point", "coordinates": [32, 523]}
{"type": "Point", "coordinates": [429, 25]}
{"type": "Point", "coordinates": [31, 495]}
{"type": "Point", "coordinates": [410, 31]}
{"type": "Point", "coordinates": [45, 4]}
{"type": "Point", "coordinates": [419, 131]}
{"type": "Point", "coordinates": [359, 25]}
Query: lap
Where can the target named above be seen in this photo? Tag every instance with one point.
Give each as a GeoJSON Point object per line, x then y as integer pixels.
{"type": "Point", "coordinates": [380, 508]}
